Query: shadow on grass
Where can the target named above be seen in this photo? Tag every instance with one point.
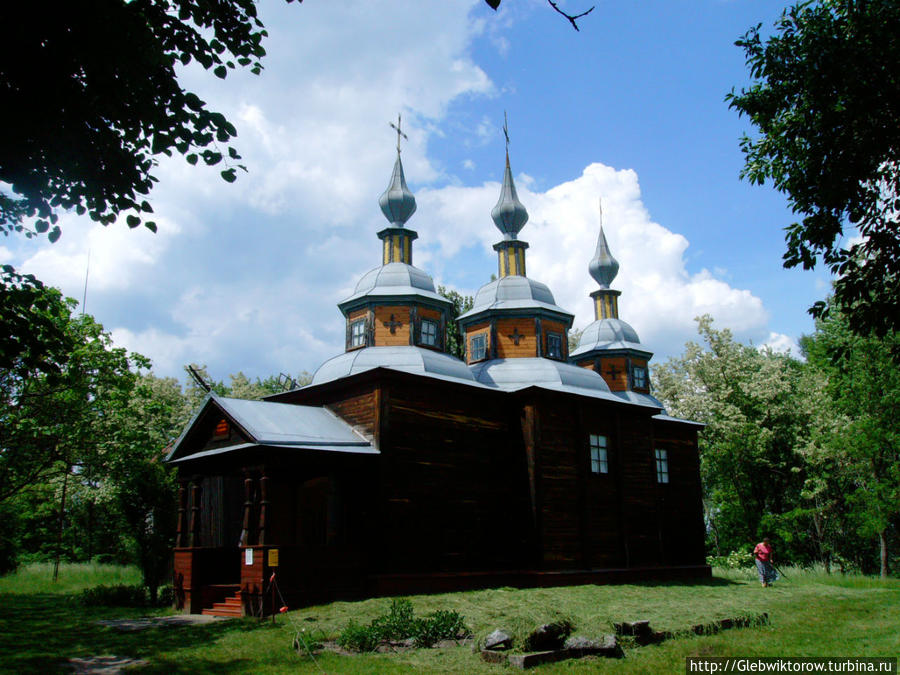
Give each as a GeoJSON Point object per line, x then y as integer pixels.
{"type": "Point", "coordinates": [39, 632]}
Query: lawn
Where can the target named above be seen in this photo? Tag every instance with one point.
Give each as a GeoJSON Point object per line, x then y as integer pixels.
{"type": "Point", "coordinates": [811, 614]}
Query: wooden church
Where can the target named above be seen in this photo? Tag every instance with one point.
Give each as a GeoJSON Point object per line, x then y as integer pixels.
{"type": "Point", "coordinates": [402, 469]}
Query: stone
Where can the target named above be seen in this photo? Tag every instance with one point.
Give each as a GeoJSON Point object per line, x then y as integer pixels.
{"type": "Point", "coordinates": [493, 656]}
{"type": "Point", "coordinates": [608, 646]}
{"type": "Point", "coordinates": [582, 644]}
{"type": "Point", "coordinates": [533, 659]}
{"type": "Point", "coordinates": [636, 628]}
{"type": "Point", "coordinates": [498, 640]}
{"type": "Point", "coordinates": [548, 636]}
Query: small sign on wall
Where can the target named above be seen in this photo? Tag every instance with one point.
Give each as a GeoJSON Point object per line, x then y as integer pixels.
{"type": "Point", "coordinates": [248, 556]}
{"type": "Point", "coordinates": [273, 557]}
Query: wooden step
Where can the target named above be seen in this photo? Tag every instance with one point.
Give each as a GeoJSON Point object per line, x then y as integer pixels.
{"type": "Point", "coordinates": [216, 611]}
{"type": "Point", "coordinates": [232, 606]}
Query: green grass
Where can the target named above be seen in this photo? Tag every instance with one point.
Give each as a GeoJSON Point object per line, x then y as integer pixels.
{"type": "Point", "coordinates": [73, 578]}
{"type": "Point", "coordinates": [811, 614]}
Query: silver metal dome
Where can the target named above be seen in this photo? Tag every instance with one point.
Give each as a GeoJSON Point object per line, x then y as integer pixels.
{"type": "Point", "coordinates": [509, 214]}
{"type": "Point", "coordinates": [514, 292]}
{"type": "Point", "coordinates": [513, 374]}
{"type": "Point", "coordinates": [603, 267]}
{"type": "Point", "coordinates": [407, 359]}
{"type": "Point", "coordinates": [608, 335]}
{"type": "Point", "coordinates": [395, 280]}
{"type": "Point", "coordinates": [397, 202]}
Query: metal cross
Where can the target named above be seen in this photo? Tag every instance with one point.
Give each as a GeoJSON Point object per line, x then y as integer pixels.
{"type": "Point", "coordinates": [506, 131]}
{"type": "Point", "coordinates": [515, 336]}
{"type": "Point", "coordinates": [612, 372]}
{"type": "Point", "coordinates": [393, 325]}
{"type": "Point", "coordinates": [399, 134]}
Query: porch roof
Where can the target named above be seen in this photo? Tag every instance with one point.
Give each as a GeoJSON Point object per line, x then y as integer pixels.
{"type": "Point", "coordinates": [270, 424]}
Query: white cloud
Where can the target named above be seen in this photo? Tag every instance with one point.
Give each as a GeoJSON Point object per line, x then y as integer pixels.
{"type": "Point", "coordinates": [119, 256]}
{"type": "Point", "coordinates": [246, 276]}
{"type": "Point", "coordinates": [5, 255]}
{"type": "Point", "coordinates": [779, 342]}
{"type": "Point", "coordinates": [660, 298]}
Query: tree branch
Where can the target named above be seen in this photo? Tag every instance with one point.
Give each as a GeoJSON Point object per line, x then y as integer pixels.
{"type": "Point", "coordinates": [572, 19]}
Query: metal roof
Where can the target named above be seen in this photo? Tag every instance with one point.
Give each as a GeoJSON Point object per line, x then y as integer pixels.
{"type": "Point", "coordinates": [668, 418]}
{"type": "Point", "coordinates": [640, 399]}
{"type": "Point", "coordinates": [284, 425]}
{"type": "Point", "coordinates": [515, 292]}
{"type": "Point", "coordinates": [408, 359]}
{"type": "Point", "coordinates": [609, 335]}
{"type": "Point", "coordinates": [394, 281]}
{"type": "Point", "coordinates": [520, 373]}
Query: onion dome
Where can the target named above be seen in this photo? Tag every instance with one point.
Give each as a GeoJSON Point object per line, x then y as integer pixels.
{"type": "Point", "coordinates": [603, 267]}
{"type": "Point", "coordinates": [397, 202]}
{"type": "Point", "coordinates": [509, 215]}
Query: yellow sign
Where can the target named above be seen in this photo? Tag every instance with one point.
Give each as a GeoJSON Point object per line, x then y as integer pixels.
{"type": "Point", "coordinates": [273, 557]}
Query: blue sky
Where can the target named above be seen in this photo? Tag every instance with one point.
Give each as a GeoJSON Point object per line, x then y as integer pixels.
{"type": "Point", "coordinates": [631, 110]}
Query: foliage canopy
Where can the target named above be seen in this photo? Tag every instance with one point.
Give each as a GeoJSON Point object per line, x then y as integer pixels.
{"type": "Point", "coordinates": [826, 103]}
{"type": "Point", "coordinates": [91, 98]}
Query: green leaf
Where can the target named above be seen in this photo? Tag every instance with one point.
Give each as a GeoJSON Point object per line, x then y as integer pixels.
{"type": "Point", "coordinates": [54, 234]}
{"type": "Point", "coordinates": [230, 175]}
{"type": "Point", "coordinates": [133, 221]}
{"type": "Point", "coordinates": [220, 72]}
{"type": "Point", "coordinates": [150, 225]}
{"type": "Point", "coordinates": [41, 226]}
{"type": "Point", "coordinates": [192, 158]}
{"type": "Point", "coordinates": [211, 157]}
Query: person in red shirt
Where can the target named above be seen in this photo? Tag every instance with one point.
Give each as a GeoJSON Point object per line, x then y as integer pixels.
{"type": "Point", "coordinates": [764, 554]}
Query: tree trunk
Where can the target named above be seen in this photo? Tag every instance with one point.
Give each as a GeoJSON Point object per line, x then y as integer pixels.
{"type": "Point", "coordinates": [882, 540]}
{"type": "Point", "coordinates": [62, 520]}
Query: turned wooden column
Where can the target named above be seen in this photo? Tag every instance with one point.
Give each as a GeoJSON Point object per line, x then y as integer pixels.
{"type": "Point", "coordinates": [248, 506]}
{"type": "Point", "coordinates": [195, 514]}
{"type": "Point", "coordinates": [181, 525]}
{"type": "Point", "coordinates": [263, 507]}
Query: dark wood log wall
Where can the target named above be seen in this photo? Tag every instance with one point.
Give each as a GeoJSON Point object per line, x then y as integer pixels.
{"type": "Point", "coordinates": [452, 481]}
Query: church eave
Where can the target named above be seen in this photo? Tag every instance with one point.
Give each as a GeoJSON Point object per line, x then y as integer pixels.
{"type": "Point", "coordinates": [516, 309]}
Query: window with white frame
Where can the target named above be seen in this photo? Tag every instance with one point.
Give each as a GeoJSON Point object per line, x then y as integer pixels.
{"type": "Point", "coordinates": [358, 333]}
{"type": "Point", "coordinates": [477, 347]}
{"type": "Point", "coordinates": [662, 466]}
{"type": "Point", "coordinates": [599, 454]}
{"type": "Point", "coordinates": [639, 377]}
{"type": "Point", "coordinates": [429, 332]}
{"type": "Point", "coordinates": [554, 345]}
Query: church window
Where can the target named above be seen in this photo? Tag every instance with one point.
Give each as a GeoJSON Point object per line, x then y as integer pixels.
{"type": "Point", "coordinates": [429, 332]}
{"type": "Point", "coordinates": [599, 454]}
{"type": "Point", "coordinates": [478, 347]}
{"type": "Point", "coordinates": [554, 345]}
{"type": "Point", "coordinates": [639, 377]}
{"type": "Point", "coordinates": [662, 466]}
{"type": "Point", "coordinates": [358, 333]}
